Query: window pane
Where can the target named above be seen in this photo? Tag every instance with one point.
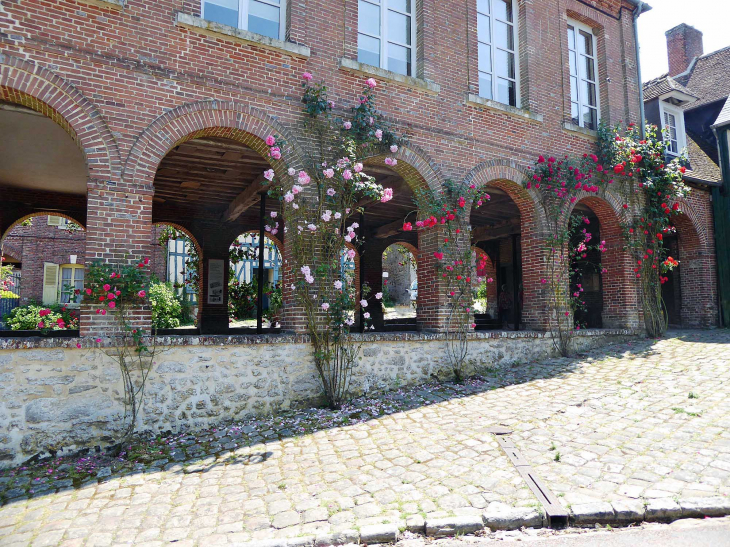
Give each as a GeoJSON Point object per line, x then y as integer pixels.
{"type": "Point", "coordinates": [66, 275]}
{"type": "Point", "coordinates": [368, 18]}
{"type": "Point", "coordinates": [589, 93]}
{"type": "Point", "coordinates": [571, 37]}
{"type": "Point", "coordinates": [505, 62]}
{"type": "Point", "coordinates": [574, 89]}
{"type": "Point", "coordinates": [485, 85]}
{"type": "Point", "coordinates": [503, 36]}
{"type": "Point", "coordinates": [399, 28]}
{"type": "Point", "coordinates": [574, 113]}
{"type": "Point", "coordinates": [368, 50]}
{"type": "Point", "coordinates": [400, 5]}
{"type": "Point", "coordinates": [483, 6]}
{"type": "Point", "coordinates": [503, 9]}
{"type": "Point", "coordinates": [589, 118]}
{"type": "Point", "coordinates": [263, 19]}
{"type": "Point", "coordinates": [483, 33]}
{"type": "Point", "coordinates": [485, 58]}
{"type": "Point", "coordinates": [587, 69]}
{"type": "Point", "coordinates": [506, 92]}
{"type": "Point", "coordinates": [222, 11]}
{"type": "Point", "coordinates": [585, 43]}
{"type": "Point", "coordinates": [573, 63]}
{"type": "Point", "coordinates": [399, 59]}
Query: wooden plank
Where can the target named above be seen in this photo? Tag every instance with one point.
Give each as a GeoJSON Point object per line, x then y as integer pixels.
{"type": "Point", "coordinates": [245, 199]}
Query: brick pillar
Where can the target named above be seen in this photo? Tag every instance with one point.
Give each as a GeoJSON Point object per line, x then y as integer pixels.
{"type": "Point", "coordinates": [433, 309]}
{"type": "Point", "coordinates": [697, 277]}
{"type": "Point", "coordinates": [371, 262]}
{"type": "Point", "coordinates": [118, 231]}
{"type": "Point", "coordinates": [292, 314]}
{"type": "Point", "coordinates": [213, 317]}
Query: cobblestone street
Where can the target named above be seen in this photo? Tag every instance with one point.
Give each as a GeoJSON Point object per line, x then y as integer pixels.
{"type": "Point", "coordinates": [637, 421]}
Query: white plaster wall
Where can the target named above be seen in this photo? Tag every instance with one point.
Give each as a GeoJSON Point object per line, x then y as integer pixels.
{"type": "Point", "coordinates": [63, 398]}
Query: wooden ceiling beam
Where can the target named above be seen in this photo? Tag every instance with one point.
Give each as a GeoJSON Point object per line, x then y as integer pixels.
{"type": "Point", "coordinates": [245, 199]}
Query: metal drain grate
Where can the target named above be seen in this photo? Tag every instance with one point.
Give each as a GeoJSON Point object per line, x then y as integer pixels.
{"type": "Point", "coordinates": [557, 516]}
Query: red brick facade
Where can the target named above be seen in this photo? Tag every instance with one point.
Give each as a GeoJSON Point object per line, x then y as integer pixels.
{"type": "Point", "coordinates": [130, 83]}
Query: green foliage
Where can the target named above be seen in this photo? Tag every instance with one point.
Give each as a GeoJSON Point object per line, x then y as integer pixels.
{"type": "Point", "coordinates": [166, 308]}
{"type": "Point", "coordinates": [241, 298]}
{"type": "Point", "coordinates": [315, 98]}
{"type": "Point", "coordinates": [45, 318]}
{"type": "Point", "coordinates": [275, 301]}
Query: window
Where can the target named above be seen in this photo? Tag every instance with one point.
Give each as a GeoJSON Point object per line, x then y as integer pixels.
{"type": "Point", "coordinates": [497, 36]}
{"type": "Point", "coordinates": [387, 35]}
{"type": "Point", "coordinates": [673, 128]}
{"type": "Point", "coordinates": [72, 279]}
{"type": "Point", "coordinates": [259, 16]}
{"type": "Point", "coordinates": [583, 76]}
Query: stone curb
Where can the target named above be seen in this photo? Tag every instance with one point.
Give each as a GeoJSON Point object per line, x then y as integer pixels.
{"type": "Point", "coordinates": [499, 516]}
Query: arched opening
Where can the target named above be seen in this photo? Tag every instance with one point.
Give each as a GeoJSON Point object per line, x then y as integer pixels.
{"type": "Point", "coordinates": [400, 286]}
{"type": "Point", "coordinates": [245, 275]}
{"type": "Point", "coordinates": [214, 186]}
{"type": "Point", "coordinates": [586, 280]}
{"type": "Point", "coordinates": [176, 260]}
{"type": "Point", "coordinates": [48, 259]}
{"type": "Point", "coordinates": [689, 292]}
{"type": "Point", "coordinates": [496, 230]}
{"type": "Point", "coordinates": [605, 276]}
{"type": "Point", "coordinates": [382, 225]}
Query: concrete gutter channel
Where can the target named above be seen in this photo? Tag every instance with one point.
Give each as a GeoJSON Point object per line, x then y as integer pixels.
{"type": "Point", "coordinates": [503, 517]}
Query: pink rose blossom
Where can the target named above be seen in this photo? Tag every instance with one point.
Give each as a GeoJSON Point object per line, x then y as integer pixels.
{"type": "Point", "coordinates": [296, 189]}
{"type": "Point", "coordinates": [307, 76]}
{"type": "Point", "coordinates": [329, 173]}
{"type": "Point", "coordinates": [371, 83]}
{"type": "Point", "coordinates": [379, 134]}
{"type": "Point", "coordinates": [338, 285]}
{"type": "Point", "coordinates": [358, 167]}
{"type": "Point", "coordinates": [364, 303]}
{"type": "Point", "coordinates": [273, 214]}
{"type": "Point", "coordinates": [269, 174]}
{"type": "Point", "coordinates": [107, 287]}
{"type": "Point", "coordinates": [387, 195]}
{"type": "Point", "coordinates": [270, 140]}
{"type": "Point", "coordinates": [378, 296]}
{"type": "Point", "coordinates": [393, 148]}
{"type": "Point", "coordinates": [347, 174]}
{"type": "Point", "coordinates": [325, 306]}
{"type": "Point", "coordinates": [112, 305]}
{"type": "Point", "coordinates": [347, 125]}
{"type": "Point", "coordinates": [351, 253]}
{"type": "Point", "coordinates": [291, 171]}
{"type": "Point", "coordinates": [303, 178]}
{"type": "Point", "coordinates": [366, 315]}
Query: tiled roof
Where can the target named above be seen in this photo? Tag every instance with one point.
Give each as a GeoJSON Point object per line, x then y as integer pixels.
{"type": "Point", "coordinates": [661, 85]}
{"type": "Point", "coordinates": [708, 78]}
{"type": "Point", "coordinates": [724, 117]}
{"type": "Point", "coordinates": [701, 164]}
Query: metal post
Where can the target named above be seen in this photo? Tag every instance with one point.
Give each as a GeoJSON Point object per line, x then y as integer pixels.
{"type": "Point", "coordinates": [516, 311]}
{"type": "Point", "coordinates": [260, 295]}
{"type": "Point", "coordinates": [361, 277]}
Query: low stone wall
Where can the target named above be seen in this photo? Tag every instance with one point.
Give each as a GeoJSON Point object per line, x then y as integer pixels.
{"type": "Point", "coordinates": [54, 396]}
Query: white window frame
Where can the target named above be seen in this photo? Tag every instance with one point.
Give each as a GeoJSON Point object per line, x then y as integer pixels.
{"type": "Point", "coordinates": [384, 39]}
{"type": "Point", "coordinates": [577, 27]}
{"type": "Point", "coordinates": [243, 15]}
{"type": "Point", "coordinates": [74, 268]}
{"type": "Point", "coordinates": [678, 114]}
{"type": "Point", "coordinates": [493, 47]}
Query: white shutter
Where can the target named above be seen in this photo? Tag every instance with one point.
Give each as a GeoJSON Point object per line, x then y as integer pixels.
{"type": "Point", "coordinates": [50, 283]}
{"type": "Point", "coordinates": [55, 221]}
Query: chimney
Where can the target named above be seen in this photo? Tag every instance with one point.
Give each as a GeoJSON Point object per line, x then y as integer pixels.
{"type": "Point", "coordinates": [684, 43]}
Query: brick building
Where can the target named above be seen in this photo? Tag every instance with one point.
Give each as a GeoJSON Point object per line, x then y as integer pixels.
{"type": "Point", "coordinates": [687, 102]}
{"type": "Point", "coordinates": [132, 114]}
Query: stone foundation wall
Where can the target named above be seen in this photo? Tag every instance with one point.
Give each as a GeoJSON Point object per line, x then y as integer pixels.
{"type": "Point", "coordinates": [56, 397]}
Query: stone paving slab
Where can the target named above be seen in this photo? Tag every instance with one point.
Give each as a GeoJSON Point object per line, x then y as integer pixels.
{"type": "Point", "coordinates": [622, 421]}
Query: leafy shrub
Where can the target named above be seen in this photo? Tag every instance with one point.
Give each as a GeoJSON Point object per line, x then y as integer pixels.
{"type": "Point", "coordinates": [241, 298]}
{"type": "Point", "coordinates": [166, 308]}
{"type": "Point", "coordinates": [37, 317]}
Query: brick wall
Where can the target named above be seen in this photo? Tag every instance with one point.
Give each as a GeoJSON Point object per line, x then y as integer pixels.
{"type": "Point", "coordinates": [129, 84]}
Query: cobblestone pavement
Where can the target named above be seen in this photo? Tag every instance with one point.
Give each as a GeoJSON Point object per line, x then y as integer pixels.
{"type": "Point", "coordinates": [639, 420]}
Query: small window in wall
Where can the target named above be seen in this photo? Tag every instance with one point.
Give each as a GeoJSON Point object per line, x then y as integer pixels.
{"type": "Point", "coordinates": [264, 17]}
{"type": "Point", "coordinates": [497, 36]}
{"type": "Point", "coordinates": [71, 280]}
{"type": "Point", "coordinates": [584, 107]}
{"type": "Point", "coordinates": [387, 35]}
{"type": "Point", "coordinates": [673, 128]}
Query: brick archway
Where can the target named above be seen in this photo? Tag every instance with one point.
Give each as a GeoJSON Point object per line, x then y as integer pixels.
{"type": "Point", "coordinates": [33, 86]}
{"type": "Point", "coordinates": [39, 214]}
{"type": "Point", "coordinates": [508, 177]}
{"type": "Point", "coordinates": [211, 118]}
{"type": "Point", "coordinates": [415, 166]}
{"type": "Point", "coordinates": [696, 271]}
{"type": "Point", "coordinates": [620, 296]}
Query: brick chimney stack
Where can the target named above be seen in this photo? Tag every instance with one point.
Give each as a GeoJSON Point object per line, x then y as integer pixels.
{"type": "Point", "coordinates": [684, 43]}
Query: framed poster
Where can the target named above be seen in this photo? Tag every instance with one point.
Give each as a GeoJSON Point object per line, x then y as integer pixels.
{"type": "Point", "coordinates": [215, 280]}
